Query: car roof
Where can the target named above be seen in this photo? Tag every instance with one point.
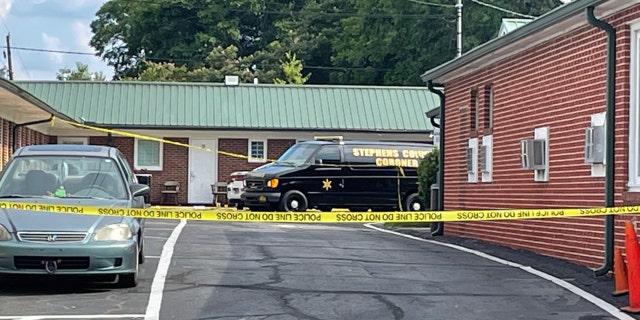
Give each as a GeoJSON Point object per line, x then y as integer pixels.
{"type": "Point", "coordinates": [66, 149]}
{"type": "Point", "coordinates": [365, 142]}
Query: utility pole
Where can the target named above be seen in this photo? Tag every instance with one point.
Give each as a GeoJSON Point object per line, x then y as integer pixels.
{"type": "Point", "coordinates": [459, 33]}
{"type": "Point", "coordinates": [9, 57]}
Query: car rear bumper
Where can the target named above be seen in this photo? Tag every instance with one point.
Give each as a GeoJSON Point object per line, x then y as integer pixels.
{"type": "Point", "coordinates": [81, 258]}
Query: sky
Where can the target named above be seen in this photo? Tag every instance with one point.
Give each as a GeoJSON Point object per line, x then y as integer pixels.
{"type": "Point", "coordinates": [52, 25]}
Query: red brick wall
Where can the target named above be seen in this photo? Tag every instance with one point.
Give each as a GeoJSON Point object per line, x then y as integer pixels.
{"type": "Point", "coordinates": [228, 164]}
{"type": "Point", "coordinates": [175, 165]}
{"type": "Point", "coordinates": [26, 136]}
{"type": "Point", "coordinates": [558, 84]}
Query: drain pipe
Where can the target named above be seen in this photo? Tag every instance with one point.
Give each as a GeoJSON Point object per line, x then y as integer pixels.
{"type": "Point", "coordinates": [17, 126]}
{"type": "Point", "coordinates": [610, 146]}
{"type": "Point", "coordinates": [439, 230]}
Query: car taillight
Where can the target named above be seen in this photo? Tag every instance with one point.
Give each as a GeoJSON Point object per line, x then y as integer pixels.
{"type": "Point", "coordinates": [237, 178]}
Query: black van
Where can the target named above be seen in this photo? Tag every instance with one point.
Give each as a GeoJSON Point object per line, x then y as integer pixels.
{"type": "Point", "coordinates": [328, 173]}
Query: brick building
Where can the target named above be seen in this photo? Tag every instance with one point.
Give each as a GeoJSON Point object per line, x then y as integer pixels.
{"type": "Point", "coordinates": [546, 81]}
{"type": "Point", "coordinates": [244, 125]}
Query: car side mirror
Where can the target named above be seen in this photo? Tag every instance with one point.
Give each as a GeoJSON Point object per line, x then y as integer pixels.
{"type": "Point", "coordinates": [318, 161]}
{"type": "Point", "coordinates": [139, 190]}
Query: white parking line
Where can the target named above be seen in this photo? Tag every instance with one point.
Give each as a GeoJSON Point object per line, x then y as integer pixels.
{"type": "Point", "coordinates": [84, 316]}
{"type": "Point", "coordinates": [611, 309]}
{"type": "Point", "coordinates": [157, 286]}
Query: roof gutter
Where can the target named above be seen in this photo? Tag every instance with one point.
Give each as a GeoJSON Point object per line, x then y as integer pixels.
{"type": "Point", "coordinates": [18, 126]}
{"type": "Point", "coordinates": [545, 21]}
{"type": "Point", "coordinates": [439, 226]}
{"type": "Point", "coordinates": [610, 136]}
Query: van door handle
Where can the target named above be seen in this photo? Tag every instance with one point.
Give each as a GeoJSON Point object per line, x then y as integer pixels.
{"type": "Point", "coordinates": [328, 169]}
{"type": "Point", "coordinates": [342, 184]}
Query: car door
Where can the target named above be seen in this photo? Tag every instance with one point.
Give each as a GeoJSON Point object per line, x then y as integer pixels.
{"type": "Point", "coordinates": [326, 179]}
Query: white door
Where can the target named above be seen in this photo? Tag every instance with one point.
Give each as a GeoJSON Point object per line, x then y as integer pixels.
{"type": "Point", "coordinates": [203, 170]}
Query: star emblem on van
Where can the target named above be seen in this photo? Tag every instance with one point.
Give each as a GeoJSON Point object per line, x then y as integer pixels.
{"type": "Point", "coordinates": [326, 184]}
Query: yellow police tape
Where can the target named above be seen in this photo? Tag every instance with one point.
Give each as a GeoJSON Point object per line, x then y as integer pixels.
{"type": "Point", "coordinates": [321, 217]}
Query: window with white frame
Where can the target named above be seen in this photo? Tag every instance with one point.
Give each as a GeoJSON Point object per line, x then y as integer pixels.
{"type": "Point", "coordinates": [147, 155]}
{"type": "Point", "coordinates": [257, 151]}
{"type": "Point", "coordinates": [634, 109]}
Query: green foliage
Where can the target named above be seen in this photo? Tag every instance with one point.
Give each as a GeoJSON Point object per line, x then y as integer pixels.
{"type": "Point", "coordinates": [292, 69]}
{"type": "Point", "coordinates": [377, 42]}
{"type": "Point", "coordinates": [80, 73]}
{"type": "Point", "coordinates": [427, 175]}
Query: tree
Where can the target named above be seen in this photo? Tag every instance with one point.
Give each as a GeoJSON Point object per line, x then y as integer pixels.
{"type": "Point", "coordinates": [292, 69]}
{"type": "Point", "coordinates": [80, 73]}
{"type": "Point", "coordinates": [427, 175]}
{"type": "Point", "coordinates": [378, 42]}
{"type": "Point", "coordinates": [219, 63]}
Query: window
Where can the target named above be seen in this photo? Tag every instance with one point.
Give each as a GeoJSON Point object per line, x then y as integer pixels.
{"type": "Point", "coordinates": [328, 155]}
{"type": "Point", "coordinates": [488, 111]}
{"type": "Point", "coordinates": [634, 110]}
{"type": "Point", "coordinates": [257, 151]}
{"type": "Point", "coordinates": [147, 155]}
{"type": "Point", "coordinates": [475, 119]}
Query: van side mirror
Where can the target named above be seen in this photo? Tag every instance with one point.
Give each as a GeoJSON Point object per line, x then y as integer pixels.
{"type": "Point", "coordinates": [318, 161]}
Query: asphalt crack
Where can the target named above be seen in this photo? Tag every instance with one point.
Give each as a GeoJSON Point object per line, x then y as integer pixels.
{"type": "Point", "coordinates": [398, 313]}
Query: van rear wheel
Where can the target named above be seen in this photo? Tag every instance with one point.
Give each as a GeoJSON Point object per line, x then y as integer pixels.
{"type": "Point", "coordinates": [413, 203]}
{"type": "Point", "coordinates": [294, 200]}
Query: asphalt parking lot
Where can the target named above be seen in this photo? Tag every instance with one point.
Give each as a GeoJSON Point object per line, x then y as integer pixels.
{"type": "Point", "coordinates": [289, 271]}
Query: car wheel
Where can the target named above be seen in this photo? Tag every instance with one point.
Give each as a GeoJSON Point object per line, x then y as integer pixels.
{"type": "Point", "coordinates": [239, 205]}
{"type": "Point", "coordinates": [294, 200]}
{"type": "Point", "coordinates": [141, 253]}
{"type": "Point", "coordinates": [413, 203]}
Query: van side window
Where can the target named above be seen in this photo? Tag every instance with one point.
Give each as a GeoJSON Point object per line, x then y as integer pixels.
{"type": "Point", "coordinates": [328, 154]}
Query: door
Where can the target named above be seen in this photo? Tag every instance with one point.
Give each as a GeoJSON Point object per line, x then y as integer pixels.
{"type": "Point", "coordinates": [326, 180]}
{"type": "Point", "coordinates": [203, 170]}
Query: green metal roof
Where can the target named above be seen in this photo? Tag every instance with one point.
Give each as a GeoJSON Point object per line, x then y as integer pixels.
{"type": "Point", "coordinates": [121, 104]}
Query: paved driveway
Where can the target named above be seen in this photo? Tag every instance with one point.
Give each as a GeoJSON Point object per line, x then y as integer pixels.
{"type": "Point", "coordinates": [287, 271]}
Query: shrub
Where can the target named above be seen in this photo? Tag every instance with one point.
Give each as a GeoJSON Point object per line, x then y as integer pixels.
{"type": "Point", "coordinates": [427, 175]}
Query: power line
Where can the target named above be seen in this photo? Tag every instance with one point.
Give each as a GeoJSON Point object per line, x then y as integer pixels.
{"type": "Point", "coordinates": [184, 60]}
{"type": "Point", "coordinates": [432, 4]}
{"type": "Point", "coordinates": [11, 41]}
{"type": "Point", "coordinates": [502, 9]}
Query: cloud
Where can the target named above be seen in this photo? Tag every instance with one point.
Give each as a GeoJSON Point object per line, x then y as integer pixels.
{"type": "Point", "coordinates": [53, 43]}
{"type": "Point", "coordinates": [5, 7]}
{"type": "Point", "coordinates": [82, 34]}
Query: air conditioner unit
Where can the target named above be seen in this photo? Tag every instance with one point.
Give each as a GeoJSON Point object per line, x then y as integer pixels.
{"type": "Point", "coordinates": [594, 145]}
{"type": "Point", "coordinates": [483, 159]}
{"type": "Point", "coordinates": [470, 168]}
{"type": "Point", "coordinates": [533, 154]}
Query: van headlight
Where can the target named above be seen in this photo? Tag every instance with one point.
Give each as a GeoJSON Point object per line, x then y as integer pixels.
{"type": "Point", "coordinates": [113, 232]}
{"type": "Point", "coordinates": [273, 183]}
{"type": "Point", "coordinates": [5, 235]}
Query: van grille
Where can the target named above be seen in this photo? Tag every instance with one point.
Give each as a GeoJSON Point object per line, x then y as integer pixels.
{"type": "Point", "coordinates": [254, 185]}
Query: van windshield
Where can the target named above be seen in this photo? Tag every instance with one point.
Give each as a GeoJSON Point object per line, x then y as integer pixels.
{"type": "Point", "coordinates": [298, 154]}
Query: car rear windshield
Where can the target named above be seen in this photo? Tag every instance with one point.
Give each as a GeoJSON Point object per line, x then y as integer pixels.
{"type": "Point", "coordinates": [63, 176]}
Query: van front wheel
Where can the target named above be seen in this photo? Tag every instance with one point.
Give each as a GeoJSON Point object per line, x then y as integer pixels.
{"type": "Point", "coordinates": [413, 203]}
{"type": "Point", "coordinates": [294, 200]}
